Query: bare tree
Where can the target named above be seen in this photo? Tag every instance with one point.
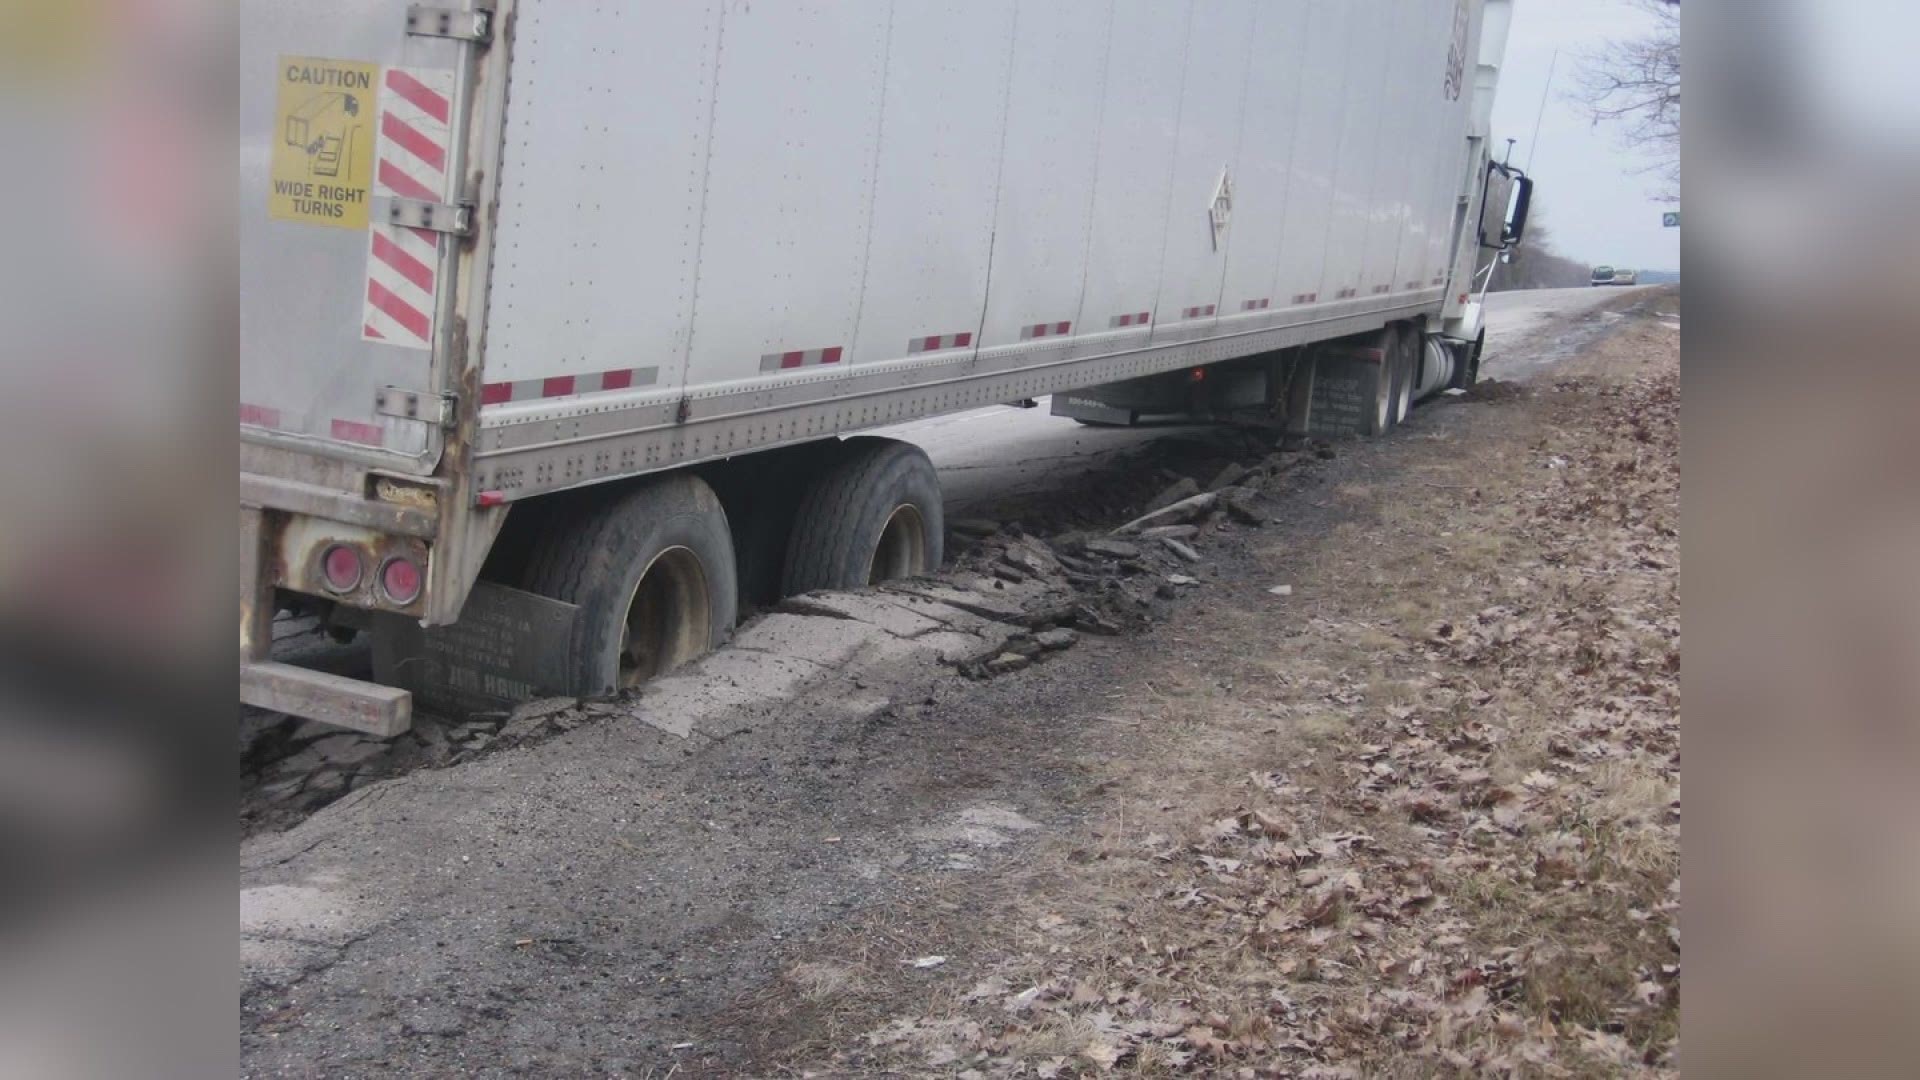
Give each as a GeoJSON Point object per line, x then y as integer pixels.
{"type": "Point", "coordinates": [1635, 84]}
{"type": "Point", "coordinates": [1535, 264]}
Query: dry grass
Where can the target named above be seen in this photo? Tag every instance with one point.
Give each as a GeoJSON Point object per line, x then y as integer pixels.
{"type": "Point", "coordinates": [821, 981]}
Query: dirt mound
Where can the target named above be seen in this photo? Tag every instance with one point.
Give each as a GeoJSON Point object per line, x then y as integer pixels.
{"type": "Point", "coordinates": [1495, 390]}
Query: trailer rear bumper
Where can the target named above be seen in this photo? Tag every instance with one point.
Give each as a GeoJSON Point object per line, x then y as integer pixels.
{"type": "Point", "coordinates": [350, 703]}
{"type": "Point", "coordinates": [383, 711]}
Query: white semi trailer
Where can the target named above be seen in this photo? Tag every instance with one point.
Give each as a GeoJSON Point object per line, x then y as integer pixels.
{"type": "Point", "coordinates": [553, 316]}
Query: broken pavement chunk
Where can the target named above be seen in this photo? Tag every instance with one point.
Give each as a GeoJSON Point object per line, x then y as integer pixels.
{"type": "Point", "coordinates": [346, 749]}
{"type": "Point", "coordinates": [1184, 510]}
{"type": "Point", "coordinates": [1113, 549]}
{"type": "Point", "coordinates": [1180, 549]}
{"type": "Point", "coordinates": [1092, 622]}
{"type": "Point", "coordinates": [1183, 488]}
{"type": "Point", "coordinates": [1242, 511]}
{"type": "Point", "coordinates": [1056, 639]}
{"type": "Point", "coordinates": [1227, 477]}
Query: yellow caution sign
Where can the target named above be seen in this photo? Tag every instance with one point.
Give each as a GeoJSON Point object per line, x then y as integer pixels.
{"type": "Point", "coordinates": [323, 141]}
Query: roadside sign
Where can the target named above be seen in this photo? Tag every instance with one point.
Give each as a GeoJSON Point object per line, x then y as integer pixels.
{"type": "Point", "coordinates": [1670, 219]}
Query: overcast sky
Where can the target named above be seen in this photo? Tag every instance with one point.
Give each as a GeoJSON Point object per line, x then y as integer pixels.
{"type": "Point", "coordinates": [1598, 207]}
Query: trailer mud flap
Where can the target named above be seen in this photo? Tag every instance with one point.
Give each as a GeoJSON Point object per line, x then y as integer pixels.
{"type": "Point", "coordinates": [508, 646]}
{"type": "Point", "coordinates": [1335, 393]}
{"type": "Point", "coordinates": [1081, 407]}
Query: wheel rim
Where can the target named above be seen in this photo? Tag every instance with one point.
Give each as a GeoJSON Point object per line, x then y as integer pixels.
{"type": "Point", "coordinates": [902, 550]}
{"type": "Point", "coordinates": [1403, 399]}
{"type": "Point", "coordinates": [669, 619]}
{"type": "Point", "coordinates": [1383, 395]}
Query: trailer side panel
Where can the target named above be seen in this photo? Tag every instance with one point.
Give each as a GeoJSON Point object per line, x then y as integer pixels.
{"type": "Point", "coordinates": [878, 213]}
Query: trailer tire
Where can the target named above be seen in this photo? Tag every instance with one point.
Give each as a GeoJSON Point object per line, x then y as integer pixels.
{"type": "Point", "coordinates": [652, 570]}
{"type": "Point", "coordinates": [874, 515]}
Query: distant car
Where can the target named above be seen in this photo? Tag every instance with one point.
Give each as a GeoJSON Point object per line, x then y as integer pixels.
{"type": "Point", "coordinates": [1625, 277]}
{"type": "Point", "coordinates": [1603, 275]}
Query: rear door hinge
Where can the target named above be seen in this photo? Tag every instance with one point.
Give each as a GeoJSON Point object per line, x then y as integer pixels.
{"type": "Point", "coordinates": [453, 218]}
{"type": "Point", "coordinates": [436, 409]}
{"type": "Point", "coordinates": [427, 20]}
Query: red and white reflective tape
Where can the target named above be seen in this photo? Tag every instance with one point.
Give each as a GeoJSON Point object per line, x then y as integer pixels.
{"type": "Point", "coordinates": [1411, 285]}
{"type": "Point", "coordinates": [1438, 281]}
{"type": "Point", "coordinates": [1045, 329]}
{"type": "Point", "coordinates": [410, 162]}
{"type": "Point", "coordinates": [933, 343]}
{"type": "Point", "coordinates": [401, 271]}
{"type": "Point", "coordinates": [799, 358]}
{"type": "Point", "coordinates": [1199, 312]}
{"type": "Point", "coordinates": [1382, 290]}
{"type": "Point", "coordinates": [259, 416]}
{"type": "Point", "coordinates": [1138, 318]}
{"type": "Point", "coordinates": [354, 431]}
{"type": "Point", "coordinates": [1346, 294]}
{"type": "Point", "coordinates": [1306, 297]}
{"type": "Point", "coordinates": [1261, 304]}
{"type": "Point", "coordinates": [554, 386]}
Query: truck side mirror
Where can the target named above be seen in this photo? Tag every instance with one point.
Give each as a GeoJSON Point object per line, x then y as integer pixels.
{"type": "Point", "coordinates": [1505, 195]}
{"type": "Point", "coordinates": [1516, 227]}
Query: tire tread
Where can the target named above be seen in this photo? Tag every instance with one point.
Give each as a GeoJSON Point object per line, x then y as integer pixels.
{"type": "Point", "coordinates": [578, 558]}
{"type": "Point", "coordinates": [824, 536]}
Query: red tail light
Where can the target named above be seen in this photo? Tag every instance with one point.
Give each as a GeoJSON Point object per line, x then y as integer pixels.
{"type": "Point", "coordinates": [340, 568]}
{"type": "Point", "coordinates": [400, 580]}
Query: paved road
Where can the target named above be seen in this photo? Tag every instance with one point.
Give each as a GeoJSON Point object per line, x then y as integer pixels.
{"type": "Point", "coordinates": [1000, 451]}
{"type": "Point", "coordinates": [1520, 316]}
{"type": "Point", "coordinates": [1512, 316]}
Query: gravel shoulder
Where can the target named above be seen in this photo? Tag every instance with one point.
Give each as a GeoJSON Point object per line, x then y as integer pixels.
{"type": "Point", "coordinates": [1074, 810]}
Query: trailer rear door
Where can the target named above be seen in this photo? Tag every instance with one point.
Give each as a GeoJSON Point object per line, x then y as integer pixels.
{"type": "Point", "coordinates": [343, 110]}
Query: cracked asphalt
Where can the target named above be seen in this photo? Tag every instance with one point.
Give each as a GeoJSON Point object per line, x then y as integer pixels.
{"type": "Point", "coordinates": [639, 869]}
